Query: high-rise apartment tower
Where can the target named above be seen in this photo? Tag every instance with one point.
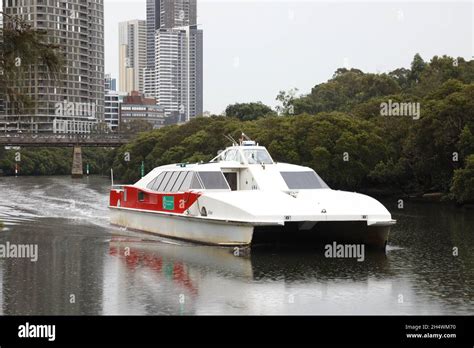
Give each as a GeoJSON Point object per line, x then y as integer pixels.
{"type": "Point", "coordinates": [132, 55]}
{"type": "Point", "coordinates": [72, 101]}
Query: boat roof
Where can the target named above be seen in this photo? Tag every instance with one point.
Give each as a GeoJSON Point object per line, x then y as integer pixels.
{"type": "Point", "coordinates": [245, 154]}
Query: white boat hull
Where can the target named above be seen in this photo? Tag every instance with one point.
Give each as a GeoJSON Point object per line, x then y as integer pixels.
{"type": "Point", "coordinates": [228, 233]}
{"type": "Point", "coordinates": [185, 228]}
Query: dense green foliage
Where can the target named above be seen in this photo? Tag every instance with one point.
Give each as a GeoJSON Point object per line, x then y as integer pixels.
{"type": "Point", "coordinates": [52, 161]}
{"type": "Point", "coordinates": [316, 141]}
{"type": "Point", "coordinates": [337, 129]}
{"type": "Point", "coordinates": [463, 182]}
{"type": "Point", "coordinates": [248, 111]}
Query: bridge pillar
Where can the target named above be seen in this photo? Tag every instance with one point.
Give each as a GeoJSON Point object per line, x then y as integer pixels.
{"type": "Point", "coordinates": [77, 171]}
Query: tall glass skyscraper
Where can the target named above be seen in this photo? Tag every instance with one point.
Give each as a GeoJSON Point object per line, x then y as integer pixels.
{"type": "Point", "coordinates": [167, 14]}
{"type": "Point", "coordinates": [174, 74]}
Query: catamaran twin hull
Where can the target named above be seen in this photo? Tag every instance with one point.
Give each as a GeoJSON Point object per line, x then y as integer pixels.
{"type": "Point", "coordinates": [243, 197]}
{"type": "Point", "coordinates": [281, 217]}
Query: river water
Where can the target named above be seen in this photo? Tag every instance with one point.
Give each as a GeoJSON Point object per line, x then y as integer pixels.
{"type": "Point", "coordinates": [87, 267]}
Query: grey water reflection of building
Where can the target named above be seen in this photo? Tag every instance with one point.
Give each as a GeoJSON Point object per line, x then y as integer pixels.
{"type": "Point", "coordinates": [67, 265]}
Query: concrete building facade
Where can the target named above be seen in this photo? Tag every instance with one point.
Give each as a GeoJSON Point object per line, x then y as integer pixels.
{"type": "Point", "coordinates": [75, 97]}
{"type": "Point", "coordinates": [113, 100]}
{"type": "Point", "coordinates": [132, 55]}
{"type": "Point", "coordinates": [110, 83]}
{"type": "Point", "coordinates": [137, 107]}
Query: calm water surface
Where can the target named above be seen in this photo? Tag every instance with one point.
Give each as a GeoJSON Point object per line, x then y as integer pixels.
{"type": "Point", "coordinates": [87, 267]}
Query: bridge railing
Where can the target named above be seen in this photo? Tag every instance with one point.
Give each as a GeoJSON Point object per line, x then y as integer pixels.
{"type": "Point", "coordinates": [38, 139]}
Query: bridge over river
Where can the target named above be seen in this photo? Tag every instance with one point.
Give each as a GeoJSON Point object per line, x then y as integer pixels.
{"type": "Point", "coordinates": [76, 141]}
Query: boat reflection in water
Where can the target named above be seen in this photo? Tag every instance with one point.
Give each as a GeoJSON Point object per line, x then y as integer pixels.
{"type": "Point", "coordinates": [158, 278]}
{"type": "Point", "coordinates": [168, 278]}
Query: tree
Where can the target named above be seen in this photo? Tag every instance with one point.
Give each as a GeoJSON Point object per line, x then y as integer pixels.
{"type": "Point", "coordinates": [463, 182]}
{"type": "Point", "coordinates": [466, 142]}
{"type": "Point", "coordinates": [286, 100]}
{"type": "Point", "coordinates": [24, 49]}
{"type": "Point", "coordinates": [344, 91]}
{"type": "Point", "coordinates": [417, 67]}
{"type": "Point", "coordinates": [402, 76]}
{"type": "Point", "coordinates": [248, 111]}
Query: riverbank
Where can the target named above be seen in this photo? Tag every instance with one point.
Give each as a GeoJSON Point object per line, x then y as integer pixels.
{"type": "Point", "coordinates": [52, 161]}
{"type": "Point", "coordinates": [432, 197]}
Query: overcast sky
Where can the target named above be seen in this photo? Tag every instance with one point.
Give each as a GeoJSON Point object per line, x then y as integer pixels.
{"type": "Point", "coordinates": [253, 49]}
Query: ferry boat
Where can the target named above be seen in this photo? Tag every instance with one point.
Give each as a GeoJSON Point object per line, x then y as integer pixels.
{"type": "Point", "coordinates": [243, 197]}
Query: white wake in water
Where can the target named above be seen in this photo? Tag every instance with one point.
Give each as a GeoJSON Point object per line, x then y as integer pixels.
{"type": "Point", "coordinates": [27, 199]}
{"type": "Point", "coordinates": [59, 197]}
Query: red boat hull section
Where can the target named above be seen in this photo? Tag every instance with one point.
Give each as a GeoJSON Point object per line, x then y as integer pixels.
{"type": "Point", "coordinates": [135, 198]}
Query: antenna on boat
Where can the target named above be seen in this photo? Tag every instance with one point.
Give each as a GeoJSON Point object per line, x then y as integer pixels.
{"type": "Point", "coordinates": [229, 137]}
{"type": "Point", "coordinates": [245, 137]}
{"type": "Point", "coordinates": [112, 176]}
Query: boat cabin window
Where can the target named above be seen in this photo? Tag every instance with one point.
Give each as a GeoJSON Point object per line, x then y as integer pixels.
{"type": "Point", "coordinates": [257, 156]}
{"type": "Point", "coordinates": [150, 185]}
{"type": "Point", "coordinates": [195, 183]}
{"type": "Point", "coordinates": [232, 155]}
{"type": "Point", "coordinates": [213, 180]}
{"type": "Point", "coordinates": [232, 180]}
{"type": "Point", "coordinates": [164, 182]}
{"type": "Point", "coordinates": [179, 181]}
{"type": "Point", "coordinates": [171, 182]}
{"type": "Point", "coordinates": [154, 184]}
{"type": "Point", "coordinates": [303, 180]}
{"type": "Point", "coordinates": [186, 185]}
{"type": "Point", "coordinates": [182, 181]}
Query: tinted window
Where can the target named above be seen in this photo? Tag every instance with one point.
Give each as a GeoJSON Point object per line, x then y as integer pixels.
{"type": "Point", "coordinates": [158, 181]}
{"type": "Point", "coordinates": [171, 182]}
{"type": "Point", "coordinates": [186, 182]}
{"type": "Point", "coordinates": [303, 180]}
{"type": "Point", "coordinates": [195, 184]}
{"type": "Point", "coordinates": [179, 181]}
{"type": "Point", "coordinates": [155, 182]}
{"type": "Point", "coordinates": [164, 182]}
{"type": "Point", "coordinates": [213, 180]}
{"type": "Point", "coordinates": [150, 185]}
